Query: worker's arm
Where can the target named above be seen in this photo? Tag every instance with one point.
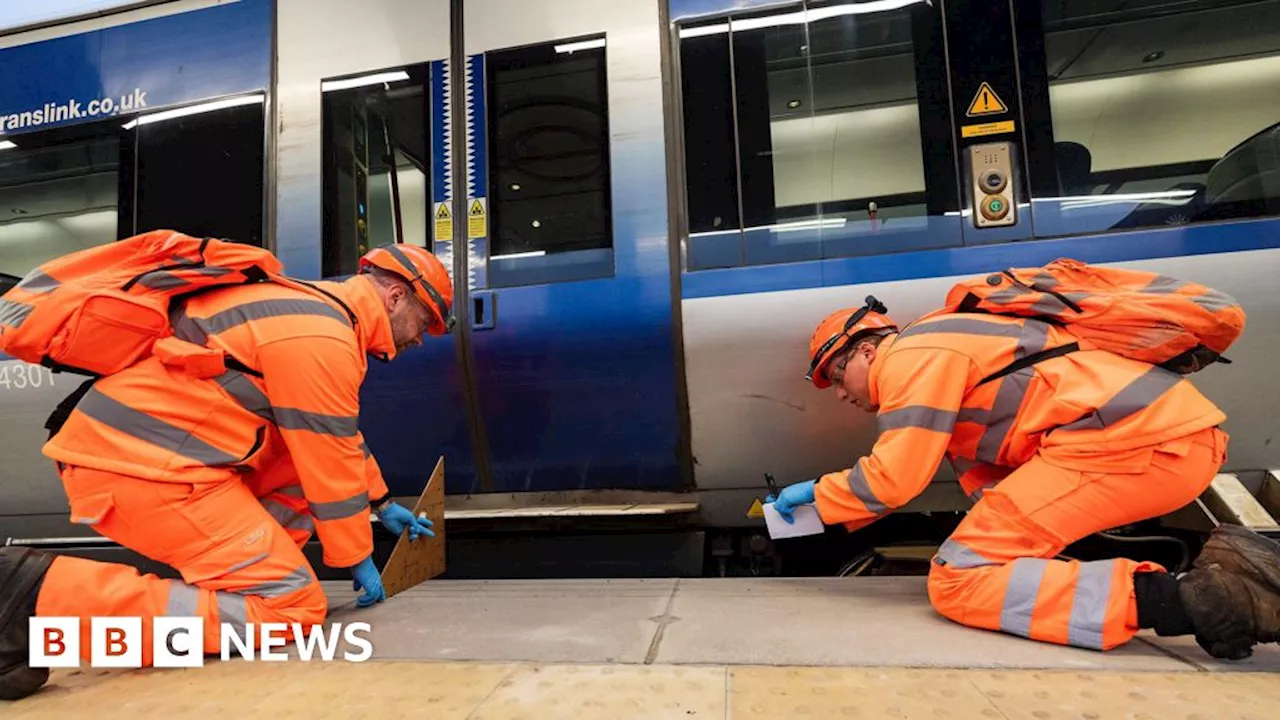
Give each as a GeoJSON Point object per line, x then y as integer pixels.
{"type": "Point", "coordinates": [920, 391]}
{"type": "Point", "coordinates": [314, 387]}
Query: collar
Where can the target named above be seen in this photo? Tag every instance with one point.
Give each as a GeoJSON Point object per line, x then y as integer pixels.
{"type": "Point", "coordinates": [873, 373]}
{"type": "Point", "coordinates": [373, 328]}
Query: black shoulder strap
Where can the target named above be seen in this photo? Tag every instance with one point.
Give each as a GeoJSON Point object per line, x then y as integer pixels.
{"type": "Point", "coordinates": [1030, 360]}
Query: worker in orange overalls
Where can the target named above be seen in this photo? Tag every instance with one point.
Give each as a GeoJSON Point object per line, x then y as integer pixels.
{"type": "Point", "coordinates": [225, 479]}
{"type": "Point", "coordinates": [1052, 453]}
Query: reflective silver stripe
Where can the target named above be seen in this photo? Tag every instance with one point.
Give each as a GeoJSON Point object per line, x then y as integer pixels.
{"type": "Point", "coordinates": [339, 509]}
{"type": "Point", "coordinates": [246, 394]}
{"type": "Point", "coordinates": [973, 415]}
{"type": "Point", "coordinates": [1033, 337]}
{"type": "Point", "coordinates": [1020, 595]}
{"type": "Point", "coordinates": [116, 415]}
{"type": "Point", "coordinates": [184, 600]}
{"type": "Point", "coordinates": [404, 260]}
{"type": "Point", "coordinates": [963, 465]}
{"type": "Point", "coordinates": [37, 282]}
{"type": "Point", "coordinates": [288, 517]}
{"type": "Point", "coordinates": [963, 326]}
{"type": "Point", "coordinates": [1089, 605]}
{"type": "Point", "coordinates": [1214, 301]}
{"type": "Point", "coordinates": [296, 580]}
{"type": "Point", "coordinates": [976, 495]}
{"type": "Point", "coordinates": [917, 416]}
{"type": "Point", "coordinates": [184, 328]}
{"type": "Point", "coordinates": [231, 610]}
{"type": "Point", "coordinates": [1137, 395]}
{"type": "Point", "coordinates": [1044, 281]}
{"type": "Point", "coordinates": [364, 448]}
{"type": "Point", "coordinates": [166, 280]}
{"type": "Point", "coordinates": [861, 490]}
{"type": "Point", "coordinates": [13, 313]}
{"type": "Point", "coordinates": [337, 425]}
{"type": "Point", "coordinates": [961, 557]}
{"type": "Point", "coordinates": [92, 520]}
{"type": "Point", "coordinates": [1211, 300]}
{"type": "Point", "coordinates": [291, 490]}
{"type": "Point", "coordinates": [262, 309]}
{"type": "Point", "coordinates": [245, 563]}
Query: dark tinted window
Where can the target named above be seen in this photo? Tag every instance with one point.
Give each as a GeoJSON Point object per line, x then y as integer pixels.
{"type": "Point", "coordinates": [809, 122]}
{"type": "Point", "coordinates": [202, 174]}
{"type": "Point", "coordinates": [376, 165]}
{"type": "Point", "coordinates": [1165, 112]}
{"type": "Point", "coordinates": [59, 192]}
{"type": "Point", "coordinates": [548, 149]}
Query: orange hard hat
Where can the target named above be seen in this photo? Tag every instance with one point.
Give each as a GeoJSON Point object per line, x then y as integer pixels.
{"type": "Point", "coordinates": [843, 325]}
{"type": "Point", "coordinates": [425, 274]}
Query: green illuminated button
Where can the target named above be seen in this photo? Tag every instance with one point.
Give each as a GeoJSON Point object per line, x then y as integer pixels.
{"type": "Point", "coordinates": [994, 207]}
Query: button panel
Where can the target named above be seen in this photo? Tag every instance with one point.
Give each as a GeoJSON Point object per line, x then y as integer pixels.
{"type": "Point", "coordinates": [990, 173]}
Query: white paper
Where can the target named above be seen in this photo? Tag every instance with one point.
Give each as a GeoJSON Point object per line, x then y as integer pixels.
{"type": "Point", "coordinates": [807, 522]}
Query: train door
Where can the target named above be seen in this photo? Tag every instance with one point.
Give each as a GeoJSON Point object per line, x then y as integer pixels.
{"type": "Point", "coordinates": [363, 162]}
{"type": "Point", "coordinates": [568, 257]}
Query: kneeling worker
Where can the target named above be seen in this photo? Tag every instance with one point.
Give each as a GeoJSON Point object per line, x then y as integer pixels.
{"type": "Point", "coordinates": [1073, 445]}
{"type": "Point", "coordinates": [157, 462]}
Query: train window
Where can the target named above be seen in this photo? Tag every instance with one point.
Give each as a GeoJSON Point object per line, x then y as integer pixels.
{"type": "Point", "coordinates": [834, 116]}
{"type": "Point", "coordinates": [1164, 112]}
{"type": "Point", "coordinates": [377, 179]}
{"type": "Point", "coordinates": [59, 192]}
{"type": "Point", "coordinates": [201, 172]}
{"type": "Point", "coordinates": [550, 210]}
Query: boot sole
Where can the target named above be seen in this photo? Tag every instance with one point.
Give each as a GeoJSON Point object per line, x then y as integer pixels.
{"type": "Point", "coordinates": [26, 570]}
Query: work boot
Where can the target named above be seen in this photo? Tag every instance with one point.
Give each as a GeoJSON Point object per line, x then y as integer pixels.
{"type": "Point", "coordinates": [1232, 594]}
{"type": "Point", "coordinates": [22, 571]}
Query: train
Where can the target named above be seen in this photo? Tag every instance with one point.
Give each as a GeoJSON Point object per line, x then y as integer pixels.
{"type": "Point", "coordinates": [646, 206]}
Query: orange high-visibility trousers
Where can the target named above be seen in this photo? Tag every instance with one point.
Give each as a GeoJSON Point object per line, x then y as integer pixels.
{"type": "Point", "coordinates": [996, 571]}
{"type": "Point", "coordinates": [239, 556]}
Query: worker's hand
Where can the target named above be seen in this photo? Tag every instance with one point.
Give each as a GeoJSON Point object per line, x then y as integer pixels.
{"type": "Point", "coordinates": [790, 497]}
{"type": "Point", "coordinates": [397, 517]}
{"type": "Point", "coordinates": [366, 577]}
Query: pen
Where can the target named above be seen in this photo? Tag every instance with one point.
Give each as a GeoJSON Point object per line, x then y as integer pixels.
{"type": "Point", "coordinates": [773, 486]}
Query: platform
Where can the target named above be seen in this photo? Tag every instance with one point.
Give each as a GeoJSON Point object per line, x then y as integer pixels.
{"type": "Point", "coordinates": [688, 648]}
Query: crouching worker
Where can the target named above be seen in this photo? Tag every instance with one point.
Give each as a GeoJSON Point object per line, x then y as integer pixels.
{"type": "Point", "coordinates": [225, 478]}
{"type": "Point", "coordinates": [1054, 441]}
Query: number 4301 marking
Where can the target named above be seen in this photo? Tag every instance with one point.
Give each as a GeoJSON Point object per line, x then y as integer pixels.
{"type": "Point", "coordinates": [18, 375]}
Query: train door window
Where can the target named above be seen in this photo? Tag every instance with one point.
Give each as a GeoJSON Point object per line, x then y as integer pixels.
{"type": "Point", "coordinates": [60, 191]}
{"type": "Point", "coordinates": [1164, 112]}
{"type": "Point", "coordinates": [376, 164]}
{"type": "Point", "coordinates": [550, 209]}
{"type": "Point", "coordinates": [200, 170]}
{"type": "Point", "coordinates": [843, 141]}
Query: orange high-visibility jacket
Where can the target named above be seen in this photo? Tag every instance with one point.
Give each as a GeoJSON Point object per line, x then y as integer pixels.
{"type": "Point", "coordinates": [1089, 410]}
{"type": "Point", "coordinates": [156, 422]}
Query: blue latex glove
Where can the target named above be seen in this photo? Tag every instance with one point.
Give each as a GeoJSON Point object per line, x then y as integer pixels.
{"type": "Point", "coordinates": [398, 517]}
{"type": "Point", "coordinates": [792, 495]}
{"type": "Point", "coordinates": [366, 577]}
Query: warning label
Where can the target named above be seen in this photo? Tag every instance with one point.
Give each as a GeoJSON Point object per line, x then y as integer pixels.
{"type": "Point", "coordinates": [476, 219]}
{"type": "Point", "coordinates": [443, 222]}
{"type": "Point", "coordinates": [757, 509]}
{"type": "Point", "coordinates": [986, 102]}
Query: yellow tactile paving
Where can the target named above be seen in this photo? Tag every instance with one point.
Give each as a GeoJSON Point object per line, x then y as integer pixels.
{"type": "Point", "coordinates": [611, 692]}
{"type": "Point", "coordinates": [771, 693]}
{"type": "Point", "coordinates": [444, 691]}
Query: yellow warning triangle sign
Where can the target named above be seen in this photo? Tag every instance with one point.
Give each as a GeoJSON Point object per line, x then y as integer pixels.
{"type": "Point", "coordinates": [986, 102]}
{"type": "Point", "coordinates": [442, 212]}
{"type": "Point", "coordinates": [476, 208]}
{"type": "Point", "coordinates": [757, 509]}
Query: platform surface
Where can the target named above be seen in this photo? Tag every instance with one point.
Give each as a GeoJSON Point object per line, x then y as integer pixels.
{"type": "Point", "coordinates": [704, 648]}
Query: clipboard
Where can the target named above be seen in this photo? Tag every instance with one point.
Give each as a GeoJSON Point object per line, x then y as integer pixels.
{"type": "Point", "coordinates": [412, 563]}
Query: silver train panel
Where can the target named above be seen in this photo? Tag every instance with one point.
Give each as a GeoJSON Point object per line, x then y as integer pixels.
{"type": "Point", "coordinates": [752, 411]}
{"type": "Point", "coordinates": [319, 39]}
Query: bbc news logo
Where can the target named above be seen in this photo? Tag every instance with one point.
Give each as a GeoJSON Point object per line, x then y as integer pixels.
{"type": "Point", "coordinates": [178, 642]}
